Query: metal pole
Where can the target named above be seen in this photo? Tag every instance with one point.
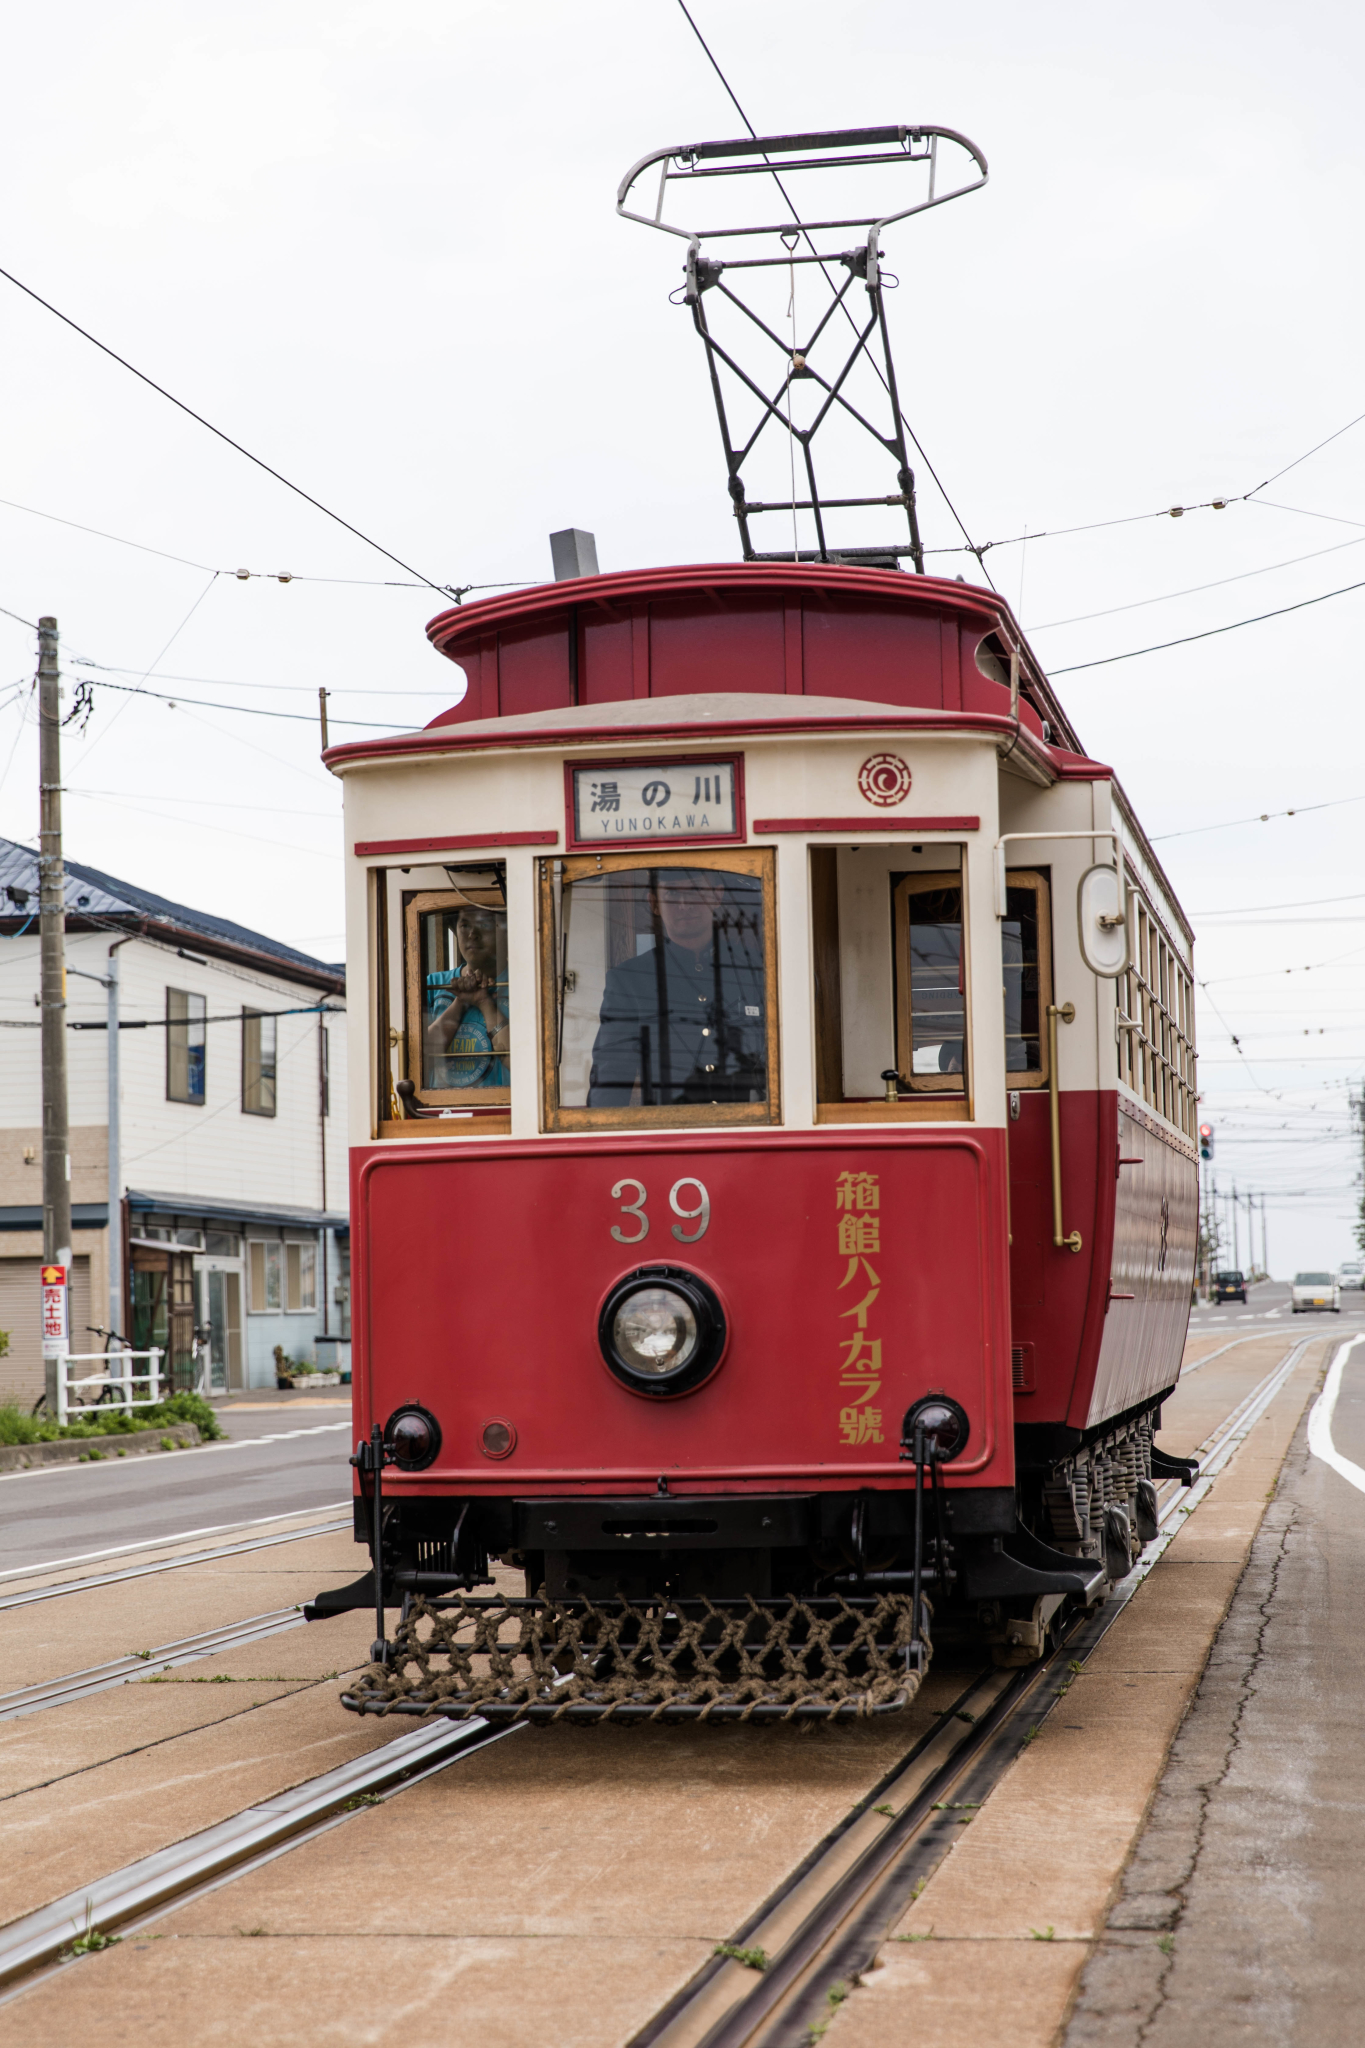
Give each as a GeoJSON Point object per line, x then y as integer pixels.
{"type": "Point", "coordinates": [52, 946]}
{"type": "Point", "coordinates": [1236, 1257]}
{"type": "Point", "coordinates": [115, 1190]}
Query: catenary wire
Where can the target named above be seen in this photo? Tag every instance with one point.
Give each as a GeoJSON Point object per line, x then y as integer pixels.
{"type": "Point", "coordinates": [970, 548]}
{"type": "Point", "coordinates": [1210, 633]}
{"type": "Point", "coordinates": [1195, 589]}
{"type": "Point", "coordinates": [1264, 818]}
{"type": "Point", "coordinates": [162, 392]}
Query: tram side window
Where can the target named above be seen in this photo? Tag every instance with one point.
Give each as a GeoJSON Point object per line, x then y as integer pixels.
{"type": "Point", "coordinates": [1026, 948]}
{"type": "Point", "coordinates": [931, 990]}
{"type": "Point", "coordinates": [659, 989]}
{"type": "Point", "coordinates": [457, 1000]}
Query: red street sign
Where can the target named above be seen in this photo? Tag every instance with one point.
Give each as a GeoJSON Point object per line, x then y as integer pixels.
{"type": "Point", "coordinates": [56, 1326]}
{"type": "Point", "coordinates": [54, 1276]}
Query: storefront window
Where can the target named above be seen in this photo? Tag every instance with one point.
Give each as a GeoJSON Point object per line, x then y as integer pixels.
{"type": "Point", "coordinates": [458, 1005]}
{"type": "Point", "coordinates": [660, 979]}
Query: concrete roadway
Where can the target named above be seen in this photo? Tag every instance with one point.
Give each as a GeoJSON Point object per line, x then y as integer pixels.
{"type": "Point", "coordinates": [285, 1454]}
{"type": "Point", "coordinates": [1239, 1916]}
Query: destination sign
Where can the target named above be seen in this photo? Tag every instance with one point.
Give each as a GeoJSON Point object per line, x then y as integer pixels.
{"type": "Point", "coordinates": [652, 800]}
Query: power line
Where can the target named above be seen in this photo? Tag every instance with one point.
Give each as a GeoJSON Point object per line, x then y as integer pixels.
{"type": "Point", "coordinates": [971, 547]}
{"type": "Point", "coordinates": [1263, 818]}
{"type": "Point", "coordinates": [1196, 589]}
{"type": "Point", "coordinates": [1305, 903]}
{"type": "Point", "coordinates": [1211, 633]}
{"type": "Point", "coordinates": [160, 389]}
{"type": "Point", "coordinates": [246, 710]}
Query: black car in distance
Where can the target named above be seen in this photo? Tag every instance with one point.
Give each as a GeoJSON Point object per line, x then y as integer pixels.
{"type": "Point", "coordinates": [1229, 1287]}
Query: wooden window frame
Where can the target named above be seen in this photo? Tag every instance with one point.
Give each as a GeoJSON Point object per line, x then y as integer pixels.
{"type": "Point", "coordinates": [1041, 884]}
{"type": "Point", "coordinates": [178, 1044]}
{"type": "Point", "coordinates": [416, 905]}
{"type": "Point", "coordinates": [1157, 1058]}
{"type": "Point", "coordinates": [923, 882]}
{"type": "Point", "coordinates": [736, 860]}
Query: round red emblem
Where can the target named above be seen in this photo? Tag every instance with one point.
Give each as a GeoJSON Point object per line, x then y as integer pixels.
{"type": "Point", "coordinates": [884, 779]}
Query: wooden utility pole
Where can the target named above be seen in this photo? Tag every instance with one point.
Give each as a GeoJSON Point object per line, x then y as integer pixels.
{"type": "Point", "coordinates": [52, 947]}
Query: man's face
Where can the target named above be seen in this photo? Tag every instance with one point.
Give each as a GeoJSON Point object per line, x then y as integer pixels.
{"type": "Point", "coordinates": [476, 937]}
{"type": "Point", "coordinates": [687, 909]}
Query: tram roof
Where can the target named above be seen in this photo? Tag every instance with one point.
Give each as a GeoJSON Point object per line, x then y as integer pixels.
{"type": "Point", "coordinates": [897, 627]}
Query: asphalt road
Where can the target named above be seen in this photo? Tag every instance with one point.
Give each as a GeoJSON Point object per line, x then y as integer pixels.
{"type": "Point", "coordinates": [1269, 1304]}
{"type": "Point", "coordinates": [280, 1458]}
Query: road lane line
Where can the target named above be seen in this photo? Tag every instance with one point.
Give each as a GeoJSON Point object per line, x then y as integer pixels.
{"type": "Point", "coordinates": [1320, 1420]}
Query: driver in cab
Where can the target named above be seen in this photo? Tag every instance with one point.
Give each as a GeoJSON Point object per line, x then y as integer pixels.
{"type": "Point", "coordinates": [684, 1020]}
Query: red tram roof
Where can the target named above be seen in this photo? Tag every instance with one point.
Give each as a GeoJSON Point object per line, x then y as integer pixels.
{"type": "Point", "coordinates": [778, 628]}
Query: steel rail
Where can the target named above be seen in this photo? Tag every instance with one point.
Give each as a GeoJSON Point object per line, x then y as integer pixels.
{"type": "Point", "coordinates": [56, 1564]}
{"type": "Point", "coordinates": [154, 1884]}
{"type": "Point", "coordinates": [79, 1685]}
{"type": "Point", "coordinates": [170, 1564]}
{"type": "Point", "coordinates": [852, 1914]}
{"type": "Point", "coordinates": [848, 1922]}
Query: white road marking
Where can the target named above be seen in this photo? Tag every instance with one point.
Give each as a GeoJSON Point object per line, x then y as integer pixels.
{"type": "Point", "coordinates": [1320, 1420]}
{"type": "Point", "coordinates": [31, 1571]}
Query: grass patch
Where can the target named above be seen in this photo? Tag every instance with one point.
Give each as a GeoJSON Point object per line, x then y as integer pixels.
{"type": "Point", "coordinates": [96, 1423]}
{"type": "Point", "coordinates": [752, 1958]}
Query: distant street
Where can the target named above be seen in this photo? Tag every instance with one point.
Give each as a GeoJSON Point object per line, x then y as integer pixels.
{"type": "Point", "coordinates": [1270, 1303]}
{"type": "Point", "coordinates": [281, 1457]}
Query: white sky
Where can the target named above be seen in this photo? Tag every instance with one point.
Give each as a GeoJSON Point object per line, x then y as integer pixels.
{"type": "Point", "coordinates": [377, 244]}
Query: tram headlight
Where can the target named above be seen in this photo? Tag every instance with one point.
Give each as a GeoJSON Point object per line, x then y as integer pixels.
{"type": "Point", "coordinates": [412, 1437]}
{"type": "Point", "coordinates": [945, 1425]}
{"type": "Point", "coordinates": [662, 1330]}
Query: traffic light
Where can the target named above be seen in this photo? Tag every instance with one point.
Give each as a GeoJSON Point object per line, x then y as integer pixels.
{"type": "Point", "coordinates": [1206, 1141]}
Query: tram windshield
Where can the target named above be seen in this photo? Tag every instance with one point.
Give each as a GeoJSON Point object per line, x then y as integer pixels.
{"type": "Point", "coordinates": [663, 984]}
{"type": "Point", "coordinates": [457, 993]}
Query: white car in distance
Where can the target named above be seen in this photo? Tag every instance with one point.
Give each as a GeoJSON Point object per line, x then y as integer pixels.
{"type": "Point", "coordinates": [1351, 1273]}
{"type": "Point", "coordinates": [1316, 1291]}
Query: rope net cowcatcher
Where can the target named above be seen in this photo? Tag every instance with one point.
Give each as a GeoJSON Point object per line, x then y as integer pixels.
{"type": "Point", "coordinates": [510, 1659]}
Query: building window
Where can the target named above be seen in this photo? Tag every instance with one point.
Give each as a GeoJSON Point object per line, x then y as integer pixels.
{"type": "Point", "coordinates": [184, 1046]}
{"type": "Point", "coordinates": [300, 1277]}
{"type": "Point", "coordinates": [258, 1063]}
{"type": "Point", "coordinates": [264, 1264]}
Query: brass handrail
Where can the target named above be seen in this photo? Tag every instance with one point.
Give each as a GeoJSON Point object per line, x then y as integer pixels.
{"type": "Point", "coordinates": [1067, 1013]}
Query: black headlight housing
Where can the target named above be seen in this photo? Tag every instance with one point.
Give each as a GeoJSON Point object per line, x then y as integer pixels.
{"type": "Point", "coordinates": [412, 1437]}
{"type": "Point", "coordinates": [662, 1331]}
{"type": "Point", "coordinates": [945, 1425]}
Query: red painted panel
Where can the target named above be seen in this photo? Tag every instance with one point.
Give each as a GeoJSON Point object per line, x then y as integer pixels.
{"type": "Point", "coordinates": [1052, 1289]}
{"type": "Point", "coordinates": [731, 647]}
{"type": "Point", "coordinates": [604, 669]}
{"type": "Point", "coordinates": [879, 651]}
{"type": "Point", "coordinates": [480, 1270]}
{"type": "Point", "coordinates": [533, 667]}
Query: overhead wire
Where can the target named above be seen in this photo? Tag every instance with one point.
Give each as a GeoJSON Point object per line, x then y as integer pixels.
{"type": "Point", "coordinates": [1263, 818]}
{"type": "Point", "coordinates": [971, 547]}
{"type": "Point", "coordinates": [1195, 589]}
{"type": "Point", "coordinates": [189, 410]}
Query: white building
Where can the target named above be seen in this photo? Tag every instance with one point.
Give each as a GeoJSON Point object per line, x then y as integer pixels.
{"type": "Point", "coordinates": [230, 1184]}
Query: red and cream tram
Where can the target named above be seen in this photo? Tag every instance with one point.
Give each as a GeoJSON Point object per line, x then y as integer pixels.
{"type": "Point", "coordinates": [774, 1180]}
{"type": "Point", "coordinates": [761, 1052]}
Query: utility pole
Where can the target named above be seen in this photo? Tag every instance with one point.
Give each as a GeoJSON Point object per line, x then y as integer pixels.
{"type": "Point", "coordinates": [1236, 1259]}
{"type": "Point", "coordinates": [52, 946]}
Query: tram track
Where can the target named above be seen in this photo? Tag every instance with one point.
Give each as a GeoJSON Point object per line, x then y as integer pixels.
{"type": "Point", "coordinates": [95, 1581]}
{"type": "Point", "coordinates": [826, 1919]}
{"type": "Point", "coordinates": [141, 1664]}
{"type": "Point", "coordinates": [845, 1910]}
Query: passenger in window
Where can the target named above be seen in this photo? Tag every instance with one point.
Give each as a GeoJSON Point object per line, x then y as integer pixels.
{"type": "Point", "coordinates": [684, 1019]}
{"type": "Point", "coordinates": [466, 1043]}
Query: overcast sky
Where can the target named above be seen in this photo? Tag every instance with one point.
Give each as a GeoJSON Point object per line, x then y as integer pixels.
{"type": "Point", "coordinates": [377, 245]}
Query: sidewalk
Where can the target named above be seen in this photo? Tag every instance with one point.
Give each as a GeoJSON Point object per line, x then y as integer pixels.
{"type": "Point", "coordinates": [1239, 1917]}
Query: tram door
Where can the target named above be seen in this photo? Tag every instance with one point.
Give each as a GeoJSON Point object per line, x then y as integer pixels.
{"type": "Point", "coordinates": [1026, 947]}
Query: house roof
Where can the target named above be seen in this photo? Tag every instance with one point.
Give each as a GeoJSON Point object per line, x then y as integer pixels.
{"type": "Point", "coordinates": [94, 898]}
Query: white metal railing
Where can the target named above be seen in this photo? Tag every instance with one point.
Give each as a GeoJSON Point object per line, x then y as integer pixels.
{"type": "Point", "coordinates": [117, 1377]}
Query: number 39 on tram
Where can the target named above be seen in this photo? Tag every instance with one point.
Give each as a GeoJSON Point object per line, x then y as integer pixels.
{"type": "Point", "coordinates": [773, 1147]}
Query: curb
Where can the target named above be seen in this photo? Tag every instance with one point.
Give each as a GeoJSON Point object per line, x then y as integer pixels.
{"type": "Point", "coordinates": [182, 1436]}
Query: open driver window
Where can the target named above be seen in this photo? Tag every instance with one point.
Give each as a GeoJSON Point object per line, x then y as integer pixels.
{"type": "Point", "coordinates": [455, 951]}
